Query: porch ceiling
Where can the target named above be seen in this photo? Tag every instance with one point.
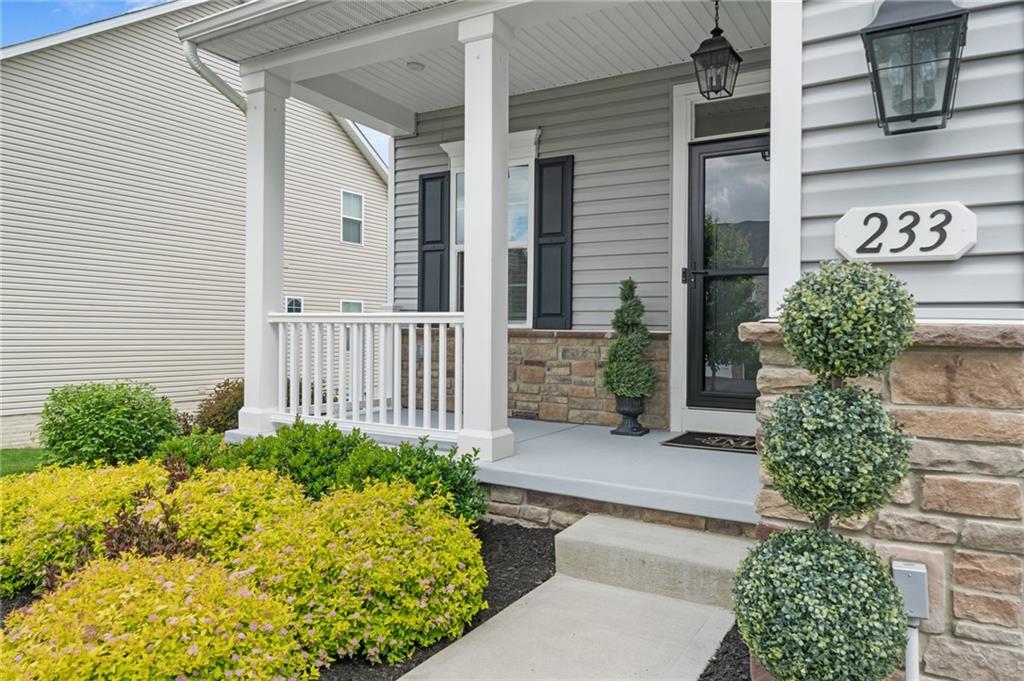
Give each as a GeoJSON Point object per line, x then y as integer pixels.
{"type": "Point", "coordinates": [556, 42]}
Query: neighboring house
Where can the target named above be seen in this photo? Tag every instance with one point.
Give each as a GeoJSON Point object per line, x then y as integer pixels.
{"type": "Point", "coordinates": [122, 215]}
{"type": "Point", "coordinates": [546, 150]}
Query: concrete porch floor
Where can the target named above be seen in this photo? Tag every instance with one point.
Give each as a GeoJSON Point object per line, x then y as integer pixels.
{"type": "Point", "coordinates": [587, 461]}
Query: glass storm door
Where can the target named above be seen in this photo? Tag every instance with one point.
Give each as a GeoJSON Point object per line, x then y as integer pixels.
{"type": "Point", "coordinates": [727, 272]}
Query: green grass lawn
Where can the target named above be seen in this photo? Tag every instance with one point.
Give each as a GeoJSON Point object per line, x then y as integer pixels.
{"type": "Point", "coordinates": [20, 460]}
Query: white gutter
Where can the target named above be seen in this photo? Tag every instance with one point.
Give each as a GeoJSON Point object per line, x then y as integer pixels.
{"type": "Point", "coordinates": [200, 67]}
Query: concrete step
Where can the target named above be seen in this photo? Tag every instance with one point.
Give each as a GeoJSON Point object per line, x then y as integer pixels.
{"type": "Point", "coordinates": [570, 629]}
{"type": "Point", "coordinates": [658, 559]}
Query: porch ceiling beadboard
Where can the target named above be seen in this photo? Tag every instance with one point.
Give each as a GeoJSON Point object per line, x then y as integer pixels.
{"type": "Point", "coordinates": [978, 159]}
{"type": "Point", "coordinates": [619, 131]}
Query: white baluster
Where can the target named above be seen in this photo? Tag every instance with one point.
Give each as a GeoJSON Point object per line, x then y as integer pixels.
{"type": "Point", "coordinates": [304, 381]}
{"type": "Point", "coordinates": [293, 368]}
{"type": "Point", "coordinates": [329, 368]}
{"type": "Point", "coordinates": [343, 374]}
{"type": "Point", "coordinates": [396, 375]}
{"type": "Point", "coordinates": [442, 376]}
{"type": "Point", "coordinates": [382, 373]}
{"type": "Point", "coordinates": [357, 370]}
{"type": "Point", "coordinates": [282, 366]}
{"type": "Point", "coordinates": [428, 379]}
{"type": "Point", "coordinates": [318, 359]}
{"type": "Point", "coordinates": [370, 377]}
{"type": "Point", "coordinates": [410, 417]}
{"type": "Point", "coordinates": [458, 376]}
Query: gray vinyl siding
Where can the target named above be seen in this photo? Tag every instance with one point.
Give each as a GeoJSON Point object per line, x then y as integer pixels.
{"type": "Point", "coordinates": [123, 211]}
{"type": "Point", "coordinates": [620, 132]}
{"type": "Point", "coordinates": [978, 159]}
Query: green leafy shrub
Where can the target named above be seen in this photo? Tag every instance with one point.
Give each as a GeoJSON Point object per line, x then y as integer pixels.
{"type": "Point", "coordinates": [198, 448]}
{"type": "Point", "coordinates": [106, 423]}
{"type": "Point", "coordinates": [449, 475]}
{"type": "Point", "coordinates": [309, 454]}
{"type": "Point", "coordinates": [626, 372]}
{"type": "Point", "coordinates": [375, 573]}
{"type": "Point", "coordinates": [849, 319]}
{"type": "Point", "coordinates": [814, 605]}
{"type": "Point", "coordinates": [46, 516]}
{"type": "Point", "coordinates": [219, 411]}
{"type": "Point", "coordinates": [154, 618]}
{"type": "Point", "coordinates": [218, 508]}
{"type": "Point", "coordinates": [834, 452]}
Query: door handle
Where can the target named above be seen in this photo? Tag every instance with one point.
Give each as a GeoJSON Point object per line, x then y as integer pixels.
{"type": "Point", "coordinates": [690, 276]}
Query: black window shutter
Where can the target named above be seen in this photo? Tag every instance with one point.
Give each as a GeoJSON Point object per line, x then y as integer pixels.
{"type": "Point", "coordinates": [552, 302]}
{"type": "Point", "coordinates": [433, 232]}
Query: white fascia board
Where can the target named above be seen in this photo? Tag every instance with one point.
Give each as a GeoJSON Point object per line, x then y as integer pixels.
{"type": "Point", "coordinates": [234, 18]}
{"type": "Point", "coordinates": [98, 27]}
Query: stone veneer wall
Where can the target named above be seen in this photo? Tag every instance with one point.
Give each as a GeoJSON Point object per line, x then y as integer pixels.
{"type": "Point", "coordinates": [557, 511]}
{"type": "Point", "coordinates": [556, 376]}
{"type": "Point", "coordinates": [959, 390]}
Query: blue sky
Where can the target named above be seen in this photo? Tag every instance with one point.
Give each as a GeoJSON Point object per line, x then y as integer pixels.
{"type": "Point", "coordinates": [22, 20]}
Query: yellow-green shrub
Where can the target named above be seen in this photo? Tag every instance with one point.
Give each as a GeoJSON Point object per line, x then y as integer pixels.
{"type": "Point", "coordinates": [376, 573]}
{"type": "Point", "coordinates": [154, 618]}
{"type": "Point", "coordinates": [41, 512]}
{"type": "Point", "coordinates": [217, 508]}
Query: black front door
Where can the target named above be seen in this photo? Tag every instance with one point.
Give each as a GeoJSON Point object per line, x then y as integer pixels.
{"type": "Point", "coordinates": [727, 271]}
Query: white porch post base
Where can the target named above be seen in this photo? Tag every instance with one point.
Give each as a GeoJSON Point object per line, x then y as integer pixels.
{"type": "Point", "coordinates": [264, 247]}
{"type": "Point", "coordinates": [492, 444]}
{"type": "Point", "coordinates": [485, 354]}
{"type": "Point", "coordinates": [252, 422]}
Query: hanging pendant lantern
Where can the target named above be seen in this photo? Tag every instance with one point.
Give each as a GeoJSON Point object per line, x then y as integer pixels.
{"type": "Point", "coordinates": [717, 64]}
{"type": "Point", "coordinates": [913, 51]}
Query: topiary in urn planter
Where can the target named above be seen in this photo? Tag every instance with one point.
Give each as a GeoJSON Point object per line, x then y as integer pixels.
{"type": "Point", "coordinates": [810, 603]}
{"type": "Point", "coordinates": [627, 375]}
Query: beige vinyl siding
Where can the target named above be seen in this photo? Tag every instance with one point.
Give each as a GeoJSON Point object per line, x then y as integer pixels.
{"type": "Point", "coordinates": [978, 159]}
{"type": "Point", "coordinates": [122, 213]}
{"type": "Point", "coordinates": [619, 131]}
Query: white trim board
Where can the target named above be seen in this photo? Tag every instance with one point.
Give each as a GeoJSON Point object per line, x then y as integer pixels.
{"type": "Point", "coordinates": [685, 97]}
{"type": "Point", "coordinates": [100, 26]}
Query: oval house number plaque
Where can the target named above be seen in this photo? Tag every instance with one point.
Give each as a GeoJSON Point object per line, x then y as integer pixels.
{"type": "Point", "coordinates": [918, 231]}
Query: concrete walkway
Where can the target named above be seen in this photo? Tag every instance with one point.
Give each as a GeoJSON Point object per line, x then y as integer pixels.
{"type": "Point", "coordinates": [569, 628]}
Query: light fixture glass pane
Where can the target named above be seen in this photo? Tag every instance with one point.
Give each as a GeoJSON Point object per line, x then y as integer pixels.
{"type": "Point", "coordinates": [460, 208]}
{"type": "Point", "coordinates": [517, 274]}
{"type": "Point", "coordinates": [895, 90]}
{"type": "Point", "coordinates": [518, 203]}
{"type": "Point", "coordinates": [351, 230]}
{"type": "Point", "coordinates": [892, 49]}
{"type": "Point", "coordinates": [351, 205]}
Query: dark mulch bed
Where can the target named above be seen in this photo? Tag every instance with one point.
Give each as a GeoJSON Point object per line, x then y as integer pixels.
{"type": "Point", "coordinates": [731, 662]}
{"type": "Point", "coordinates": [518, 560]}
{"type": "Point", "coordinates": [18, 600]}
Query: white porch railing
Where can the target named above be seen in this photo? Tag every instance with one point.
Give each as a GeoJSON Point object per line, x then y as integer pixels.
{"type": "Point", "coordinates": [394, 374]}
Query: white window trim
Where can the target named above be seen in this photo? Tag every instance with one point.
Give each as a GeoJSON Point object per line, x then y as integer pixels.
{"type": "Point", "coordinates": [522, 151]}
{"type": "Point", "coordinates": [341, 306]}
{"type": "Point", "coordinates": [302, 303]}
{"type": "Point", "coordinates": [362, 220]}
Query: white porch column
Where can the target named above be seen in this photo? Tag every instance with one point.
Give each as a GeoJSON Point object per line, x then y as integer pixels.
{"type": "Point", "coordinates": [264, 246]}
{"type": "Point", "coordinates": [485, 419]}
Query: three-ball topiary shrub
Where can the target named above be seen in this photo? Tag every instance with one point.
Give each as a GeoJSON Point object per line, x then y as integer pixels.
{"type": "Point", "coordinates": [809, 603]}
{"type": "Point", "coordinates": [627, 374]}
{"type": "Point", "coordinates": [154, 618]}
{"type": "Point", "coordinates": [375, 573]}
{"type": "Point", "coordinates": [47, 516]}
{"type": "Point", "coordinates": [108, 423]}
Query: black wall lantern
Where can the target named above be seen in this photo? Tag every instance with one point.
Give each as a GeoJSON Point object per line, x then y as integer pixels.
{"type": "Point", "coordinates": [913, 51]}
{"type": "Point", "coordinates": [716, 64]}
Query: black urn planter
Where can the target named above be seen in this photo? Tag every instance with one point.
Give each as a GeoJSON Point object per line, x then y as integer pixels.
{"type": "Point", "coordinates": [629, 408]}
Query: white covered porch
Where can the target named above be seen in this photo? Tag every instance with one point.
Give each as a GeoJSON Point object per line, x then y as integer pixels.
{"type": "Point", "coordinates": [444, 375]}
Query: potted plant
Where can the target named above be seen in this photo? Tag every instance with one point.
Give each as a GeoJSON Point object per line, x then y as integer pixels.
{"type": "Point", "coordinates": [811, 603]}
{"type": "Point", "coordinates": [627, 374]}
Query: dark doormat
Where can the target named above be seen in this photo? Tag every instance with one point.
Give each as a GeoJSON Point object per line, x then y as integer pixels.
{"type": "Point", "coordinates": [744, 444]}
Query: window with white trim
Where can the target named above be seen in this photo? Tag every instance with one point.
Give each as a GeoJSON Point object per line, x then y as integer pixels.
{"type": "Point", "coordinates": [293, 304]}
{"type": "Point", "coordinates": [522, 155]}
{"type": "Point", "coordinates": [351, 217]}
